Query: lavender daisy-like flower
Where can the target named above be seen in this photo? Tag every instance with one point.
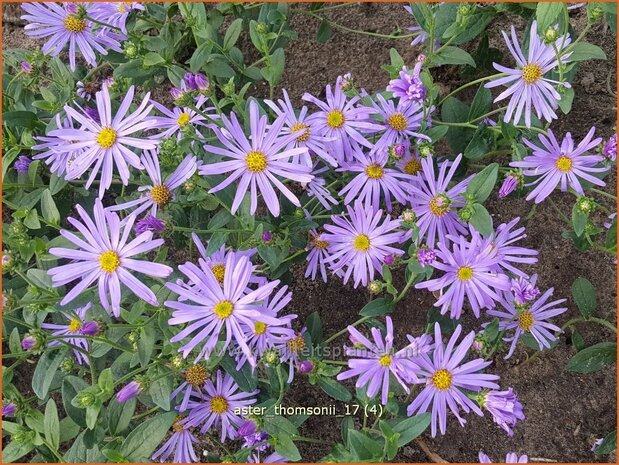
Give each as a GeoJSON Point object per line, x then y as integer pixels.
{"type": "Point", "coordinates": [359, 244]}
{"type": "Point", "coordinates": [433, 202]}
{"type": "Point", "coordinates": [528, 88]}
{"type": "Point", "coordinates": [376, 363]}
{"type": "Point", "coordinates": [446, 377]}
{"type": "Point", "coordinates": [180, 444]}
{"type": "Point", "coordinates": [504, 407]}
{"type": "Point", "coordinates": [510, 184]}
{"type": "Point", "coordinates": [410, 164]}
{"type": "Point", "coordinates": [317, 257]}
{"type": "Point", "coordinates": [344, 121]}
{"type": "Point", "coordinates": [469, 272]}
{"type": "Point", "coordinates": [55, 154]}
{"type": "Point", "coordinates": [422, 34]}
{"type": "Point", "coordinates": [215, 307]}
{"type": "Point", "coordinates": [22, 164]}
{"type": "Point", "coordinates": [174, 121]}
{"type": "Point", "coordinates": [375, 181]}
{"type": "Point", "coordinates": [257, 161]}
{"type": "Point", "coordinates": [129, 391]}
{"type": "Point", "coordinates": [216, 407]}
{"type": "Point", "coordinates": [195, 377]}
{"type": "Point", "coordinates": [610, 148]}
{"type": "Point", "coordinates": [317, 188]}
{"type": "Point", "coordinates": [77, 326]}
{"type": "Point", "coordinates": [408, 86]}
{"type": "Point", "coordinates": [289, 349]}
{"type": "Point", "coordinates": [149, 223]}
{"type": "Point", "coordinates": [115, 13]}
{"type": "Point", "coordinates": [529, 318]}
{"type": "Point", "coordinates": [511, 457]}
{"type": "Point", "coordinates": [553, 164]}
{"type": "Point", "coordinates": [524, 290]}
{"type": "Point", "coordinates": [8, 409]}
{"type": "Point", "coordinates": [307, 130]}
{"type": "Point", "coordinates": [105, 254]}
{"type": "Point", "coordinates": [105, 143]}
{"type": "Point", "coordinates": [159, 193]}
{"type": "Point", "coordinates": [68, 25]}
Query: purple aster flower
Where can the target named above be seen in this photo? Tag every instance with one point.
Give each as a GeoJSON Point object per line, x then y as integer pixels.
{"type": "Point", "coordinates": [524, 291]}
{"type": "Point", "coordinates": [530, 317]}
{"type": "Point", "coordinates": [400, 123]}
{"type": "Point", "coordinates": [317, 188]}
{"type": "Point", "coordinates": [290, 349]}
{"type": "Point", "coordinates": [552, 164]}
{"type": "Point", "coordinates": [149, 223]}
{"type": "Point", "coordinates": [159, 193]}
{"type": "Point", "coordinates": [68, 25]}
{"type": "Point", "coordinates": [511, 457]}
{"type": "Point", "coordinates": [345, 81]}
{"type": "Point", "coordinates": [267, 236]}
{"type": "Point", "coordinates": [610, 148]}
{"type": "Point", "coordinates": [318, 256]}
{"type": "Point", "coordinates": [504, 407]}
{"type": "Point", "coordinates": [177, 119]}
{"type": "Point", "coordinates": [9, 409]}
{"type": "Point", "coordinates": [501, 245]}
{"type": "Point", "coordinates": [105, 143]}
{"type": "Point", "coordinates": [129, 391]}
{"type": "Point", "coordinates": [216, 407]}
{"type": "Point", "coordinates": [307, 130]}
{"type": "Point", "coordinates": [358, 244]}
{"type": "Point", "coordinates": [374, 181]}
{"type": "Point", "coordinates": [105, 254]}
{"type": "Point", "coordinates": [29, 342]}
{"type": "Point", "coordinates": [86, 91]}
{"type": "Point", "coordinates": [55, 153]}
{"type": "Point", "coordinates": [257, 161]}
{"type": "Point", "coordinates": [22, 164]}
{"type": "Point", "coordinates": [376, 362]}
{"type": "Point", "coordinates": [399, 150]}
{"type": "Point", "coordinates": [433, 202]}
{"type": "Point", "coordinates": [426, 256]}
{"type": "Point", "coordinates": [215, 307]}
{"type": "Point", "coordinates": [180, 443]}
{"type": "Point", "coordinates": [510, 184]}
{"type": "Point", "coordinates": [248, 429]}
{"type": "Point", "coordinates": [527, 85]}
{"type": "Point", "coordinates": [201, 82]}
{"type": "Point", "coordinates": [195, 377]}
{"type": "Point", "coordinates": [90, 328]}
{"type": "Point", "coordinates": [446, 378]}
{"type": "Point", "coordinates": [305, 367]}
{"type": "Point", "coordinates": [408, 87]}
{"type": "Point", "coordinates": [114, 13]}
{"type": "Point", "coordinates": [422, 35]}
{"type": "Point", "coordinates": [76, 326]}
{"type": "Point", "coordinates": [26, 67]}
{"type": "Point", "coordinates": [344, 121]}
{"type": "Point", "coordinates": [410, 164]}
{"type": "Point", "coordinates": [469, 272]}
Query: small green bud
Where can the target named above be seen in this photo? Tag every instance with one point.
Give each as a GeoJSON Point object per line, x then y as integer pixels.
{"type": "Point", "coordinates": [229, 88]}
{"type": "Point", "coordinates": [67, 365]}
{"type": "Point", "coordinates": [466, 9]}
{"type": "Point", "coordinates": [131, 50]}
{"type": "Point", "coordinates": [189, 186]}
{"type": "Point", "coordinates": [585, 205]}
{"type": "Point", "coordinates": [409, 216]}
{"type": "Point", "coordinates": [271, 357]}
{"type": "Point", "coordinates": [426, 151]}
{"type": "Point", "coordinates": [466, 214]}
{"type": "Point", "coordinates": [86, 399]}
{"type": "Point", "coordinates": [595, 14]}
{"type": "Point", "coordinates": [299, 213]}
{"type": "Point", "coordinates": [262, 28]}
{"type": "Point", "coordinates": [551, 34]}
{"type": "Point", "coordinates": [590, 228]}
{"type": "Point", "coordinates": [375, 287]}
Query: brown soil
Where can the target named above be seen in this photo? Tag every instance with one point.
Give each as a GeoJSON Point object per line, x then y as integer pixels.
{"type": "Point", "coordinates": [565, 412]}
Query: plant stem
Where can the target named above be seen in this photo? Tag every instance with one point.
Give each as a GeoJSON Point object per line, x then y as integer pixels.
{"type": "Point", "coordinates": [605, 194]}
{"type": "Point", "coordinates": [469, 84]}
{"type": "Point", "coordinates": [592, 319]}
{"type": "Point", "coordinates": [339, 333]}
{"type": "Point", "coordinates": [409, 283]}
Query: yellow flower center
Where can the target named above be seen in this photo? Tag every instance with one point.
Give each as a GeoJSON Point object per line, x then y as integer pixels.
{"type": "Point", "coordinates": [109, 261]}
{"type": "Point", "coordinates": [177, 427]}
{"type": "Point", "coordinates": [296, 344]}
{"type": "Point", "coordinates": [361, 243]}
{"type": "Point", "coordinates": [413, 166]}
{"type": "Point", "coordinates": [75, 325]}
{"type": "Point", "coordinates": [531, 73]}
{"type": "Point", "coordinates": [525, 321]}
{"type": "Point", "coordinates": [259, 327]}
{"type": "Point", "coordinates": [219, 405]}
{"type": "Point", "coordinates": [183, 119]}
{"type": "Point", "coordinates": [223, 309]}
{"type": "Point", "coordinates": [74, 24]}
{"type": "Point", "coordinates": [374, 171]}
{"type": "Point", "coordinates": [439, 205]}
{"type": "Point", "coordinates": [106, 138]}
{"type": "Point", "coordinates": [196, 375]}
{"type": "Point", "coordinates": [335, 119]}
{"type": "Point", "coordinates": [319, 243]}
{"type": "Point", "coordinates": [219, 271]}
{"type": "Point", "coordinates": [160, 194]}
{"type": "Point", "coordinates": [256, 161]}
{"type": "Point", "coordinates": [442, 379]}
{"type": "Point", "coordinates": [397, 121]}
{"type": "Point", "coordinates": [301, 127]}
{"type": "Point", "coordinates": [564, 163]}
{"type": "Point", "coordinates": [464, 273]}
{"type": "Point", "coordinates": [385, 360]}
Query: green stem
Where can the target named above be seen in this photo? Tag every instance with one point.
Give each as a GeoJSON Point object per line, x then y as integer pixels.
{"type": "Point", "coordinates": [339, 333]}
{"type": "Point", "coordinates": [469, 84]}
{"type": "Point", "coordinates": [558, 210]}
{"type": "Point", "coordinates": [592, 319]}
{"type": "Point", "coordinates": [605, 194]}
{"type": "Point", "coordinates": [91, 338]}
{"type": "Point", "coordinates": [409, 283]}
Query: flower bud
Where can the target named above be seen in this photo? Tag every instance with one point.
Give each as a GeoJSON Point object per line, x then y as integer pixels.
{"type": "Point", "coordinates": [466, 214]}
{"type": "Point", "coordinates": [466, 9]}
{"type": "Point", "coordinates": [129, 391]}
{"type": "Point", "coordinates": [267, 236]}
{"type": "Point", "coordinates": [67, 365]}
{"type": "Point", "coordinates": [31, 342]}
{"type": "Point", "coordinates": [91, 328]}
{"type": "Point", "coordinates": [409, 216]}
{"type": "Point", "coordinates": [510, 184]}
{"type": "Point", "coordinates": [375, 287]}
{"type": "Point", "coordinates": [399, 150]}
{"type": "Point", "coordinates": [86, 399]}
{"type": "Point", "coordinates": [305, 367]}
{"type": "Point", "coordinates": [22, 164]}
{"type": "Point", "coordinates": [176, 93]}
{"type": "Point", "coordinates": [201, 82]}
{"type": "Point", "coordinates": [229, 88]}
{"type": "Point", "coordinates": [551, 34]}
{"type": "Point", "coordinates": [190, 81]}
{"type": "Point", "coordinates": [271, 357]}
{"type": "Point", "coordinates": [595, 14]}
{"type": "Point", "coordinates": [388, 260]}
{"type": "Point", "coordinates": [248, 428]}
{"type": "Point", "coordinates": [610, 148]}
{"type": "Point", "coordinates": [131, 50]}
{"type": "Point", "coordinates": [425, 256]}
{"type": "Point", "coordinates": [7, 261]}
{"type": "Point", "coordinates": [26, 67]}
{"type": "Point", "coordinates": [425, 151]}
{"type": "Point", "coordinates": [585, 205]}
{"type": "Point", "coordinates": [262, 28]}
{"type": "Point", "coordinates": [8, 409]}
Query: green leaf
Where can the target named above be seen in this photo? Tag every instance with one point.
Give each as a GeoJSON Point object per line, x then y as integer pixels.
{"type": "Point", "coordinates": [567, 97]}
{"type": "Point", "coordinates": [285, 447]}
{"type": "Point", "coordinates": [584, 51]}
{"type": "Point", "coordinates": [411, 427]}
{"type": "Point", "coordinates": [119, 416]}
{"type": "Point", "coordinates": [51, 424]}
{"type": "Point", "coordinates": [480, 144]}
{"type": "Point", "coordinates": [334, 389]}
{"type": "Point", "coordinates": [79, 453]}
{"type": "Point", "coordinates": [146, 344]}
{"type": "Point", "coordinates": [324, 32]}
{"type": "Point", "coordinates": [32, 220]}
{"type": "Point", "coordinates": [20, 119]}
{"type": "Point", "coordinates": [376, 307]}
{"type": "Point", "coordinates": [314, 327]}
{"type": "Point", "coordinates": [233, 33]}
{"type": "Point", "coordinates": [579, 220]}
{"type": "Point", "coordinates": [273, 73]}
{"type": "Point", "coordinates": [46, 370]}
{"type": "Point", "coordinates": [92, 415]}
{"type": "Point", "coordinates": [481, 220]}
{"type": "Point", "coordinates": [14, 450]}
{"type": "Point", "coordinates": [144, 439]}
{"type": "Point", "coordinates": [153, 59]}
{"type": "Point", "coordinates": [48, 207]}
{"type": "Point", "coordinates": [391, 439]}
{"type": "Point", "coordinates": [71, 385]}
{"type": "Point", "coordinates": [608, 445]}
{"type": "Point", "coordinates": [451, 55]}
{"type": "Point", "coordinates": [491, 332]}
{"type": "Point", "coordinates": [364, 447]}
{"type": "Point", "coordinates": [482, 184]}
{"type": "Point", "coordinates": [455, 111]}
{"type": "Point", "coordinates": [246, 380]}
{"type": "Point", "coordinates": [547, 15]}
{"type": "Point", "coordinates": [114, 456]}
{"type": "Point", "coordinates": [481, 103]}
{"type": "Point", "coordinates": [39, 278]}
{"type": "Point", "coordinates": [584, 296]}
{"type": "Point", "coordinates": [276, 425]}
{"type": "Point", "coordinates": [446, 324]}
{"type": "Point", "coordinates": [594, 358]}
{"type": "Point", "coordinates": [160, 391]}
